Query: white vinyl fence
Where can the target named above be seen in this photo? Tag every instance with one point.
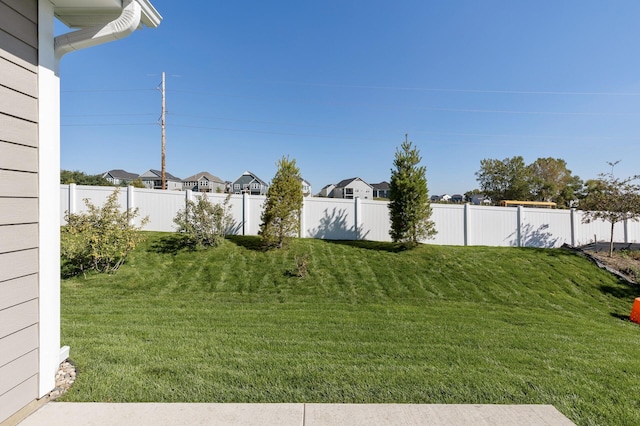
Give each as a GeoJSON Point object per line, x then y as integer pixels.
{"type": "Point", "coordinates": [339, 219]}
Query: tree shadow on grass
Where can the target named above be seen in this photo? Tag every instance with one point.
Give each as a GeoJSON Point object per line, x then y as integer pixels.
{"type": "Point", "coordinates": [372, 245]}
{"type": "Point", "coordinates": [171, 244]}
{"type": "Point", "coordinates": [621, 317]}
{"type": "Point", "coordinates": [623, 290]}
{"type": "Point", "coordinates": [250, 242]}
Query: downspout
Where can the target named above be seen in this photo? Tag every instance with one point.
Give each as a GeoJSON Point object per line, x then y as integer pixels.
{"type": "Point", "coordinates": [119, 28]}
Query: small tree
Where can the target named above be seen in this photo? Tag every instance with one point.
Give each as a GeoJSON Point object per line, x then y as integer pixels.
{"type": "Point", "coordinates": [612, 200]}
{"type": "Point", "coordinates": [409, 207]}
{"type": "Point", "coordinates": [281, 214]}
{"type": "Point", "coordinates": [99, 239]}
{"type": "Point", "coordinates": [204, 223]}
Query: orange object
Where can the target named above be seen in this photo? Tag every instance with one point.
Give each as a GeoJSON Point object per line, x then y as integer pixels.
{"type": "Point", "coordinates": [635, 311]}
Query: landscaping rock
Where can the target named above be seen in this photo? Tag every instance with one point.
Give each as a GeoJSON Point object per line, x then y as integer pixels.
{"type": "Point", "coordinates": [64, 379]}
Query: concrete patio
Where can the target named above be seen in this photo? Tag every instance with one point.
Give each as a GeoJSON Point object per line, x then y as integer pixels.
{"type": "Point", "coordinates": [142, 414]}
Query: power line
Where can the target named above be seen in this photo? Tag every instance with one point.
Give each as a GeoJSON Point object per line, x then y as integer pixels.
{"type": "Point", "coordinates": [418, 108]}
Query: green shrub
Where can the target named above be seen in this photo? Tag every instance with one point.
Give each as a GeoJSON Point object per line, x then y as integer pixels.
{"type": "Point", "coordinates": [99, 239]}
{"type": "Point", "coordinates": [203, 223]}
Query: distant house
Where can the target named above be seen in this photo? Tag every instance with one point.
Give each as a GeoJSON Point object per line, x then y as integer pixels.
{"type": "Point", "coordinates": [327, 190]}
{"type": "Point", "coordinates": [353, 188]}
{"type": "Point", "coordinates": [380, 190]}
{"type": "Point", "coordinates": [457, 198]}
{"type": "Point", "coordinates": [480, 199]}
{"type": "Point", "coordinates": [249, 183]}
{"type": "Point", "coordinates": [436, 198]}
{"type": "Point", "coordinates": [152, 179]}
{"type": "Point", "coordinates": [119, 177]}
{"type": "Point", "coordinates": [306, 187]}
{"type": "Point", "coordinates": [204, 182]}
{"type": "Point", "coordinates": [445, 197]}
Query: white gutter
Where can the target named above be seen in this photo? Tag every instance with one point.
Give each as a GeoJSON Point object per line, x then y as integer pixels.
{"type": "Point", "coordinates": [119, 28]}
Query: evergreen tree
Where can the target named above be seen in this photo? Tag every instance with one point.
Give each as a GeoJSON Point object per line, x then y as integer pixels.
{"type": "Point", "coordinates": [409, 207]}
{"type": "Point", "coordinates": [281, 214]}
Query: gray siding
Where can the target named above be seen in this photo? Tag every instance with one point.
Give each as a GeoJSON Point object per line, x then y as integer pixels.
{"type": "Point", "coordinates": [18, 205]}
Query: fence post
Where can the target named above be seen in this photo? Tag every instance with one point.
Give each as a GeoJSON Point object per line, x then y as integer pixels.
{"type": "Point", "coordinates": [72, 198]}
{"type": "Point", "coordinates": [573, 227]}
{"type": "Point", "coordinates": [519, 219]}
{"type": "Point", "coordinates": [130, 202]}
{"type": "Point", "coordinates": [626, 230]}
{"type": "Point", "coordinates": [245, 213]}
{"type": "Point", "coordinates": [357, 206]}
{"type": "Point", "coordinates": [467, 207]}
{"type": "Point", "coordinates": [302, 232]}
{"type": "Point", "coordinates": [188, 196]}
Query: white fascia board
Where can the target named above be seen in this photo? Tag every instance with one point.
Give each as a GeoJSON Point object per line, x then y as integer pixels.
{"type": "Point", "coordinates": [89, 13]}
{"type": "Point", "coordinates": [150, 16]}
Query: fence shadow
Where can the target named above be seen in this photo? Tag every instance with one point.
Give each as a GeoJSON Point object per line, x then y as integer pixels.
{"type": "Point", "coordinates": [530, 237]}
{"type": "Point", "coordinates": [333, 226]}
{"type": "Point", "coordinates": [372, 245]}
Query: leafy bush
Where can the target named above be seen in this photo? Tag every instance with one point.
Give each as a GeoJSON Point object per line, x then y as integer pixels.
{"type": "Point", "coordinates": [203, 223]}
{"type": "Point", "coordinates": [99, 239]}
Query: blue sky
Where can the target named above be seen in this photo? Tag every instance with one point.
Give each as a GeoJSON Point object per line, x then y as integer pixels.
{"type": "Point", "coordinates": [337, 84]}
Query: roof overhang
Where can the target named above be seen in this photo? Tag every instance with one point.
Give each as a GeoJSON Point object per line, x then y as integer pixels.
{"type": "Point", "coordinates": [90, 13]}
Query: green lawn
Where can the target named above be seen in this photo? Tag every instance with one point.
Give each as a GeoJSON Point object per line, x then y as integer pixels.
{"type": "Point", "coordinates": [370, 324]}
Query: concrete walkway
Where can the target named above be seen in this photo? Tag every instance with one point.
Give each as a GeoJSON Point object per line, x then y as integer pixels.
{"type": "Point", "coordinates": [153, 414]}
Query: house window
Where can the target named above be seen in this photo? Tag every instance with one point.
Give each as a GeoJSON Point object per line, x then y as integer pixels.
{"type": "Point", "coordinates": [236, 186]}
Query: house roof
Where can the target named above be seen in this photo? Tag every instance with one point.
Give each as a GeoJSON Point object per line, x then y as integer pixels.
{"type": "Point", "coordinates": [90, 13]}
{"type": "Point", "coordinates": [384, 185]}
{"type": "Point", "coordinates": [158, 174]}
{"type": "Point", "coordinates": [208, 176]}
{"type": "Point", "coordinates": [121, 174]}
{"type": "Point", "coordinates": [248, 173]}
{"type": "Point", "coordinates": [346, 182]}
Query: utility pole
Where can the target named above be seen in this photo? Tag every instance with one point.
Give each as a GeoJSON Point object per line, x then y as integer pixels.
{"type": "Point", "coordinates": [162, 123]}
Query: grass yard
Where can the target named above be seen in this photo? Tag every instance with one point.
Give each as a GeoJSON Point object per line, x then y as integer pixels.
{"type": "Point", "coordinates": [369, 324]}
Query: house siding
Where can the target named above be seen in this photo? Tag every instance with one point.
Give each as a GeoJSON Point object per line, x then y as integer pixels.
{"type": "Point", "coordinates": [18, 205]}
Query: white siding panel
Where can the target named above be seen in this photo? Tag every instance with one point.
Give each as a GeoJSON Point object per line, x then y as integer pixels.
{"type": "Point", "coordinates": [600, 230]}
{"type": "Point", "coordinates": [18, 237]}
{"type": "Point", "coordinates": [18, 264]}
{"type": "Point", "coordinates": [493, 226]}
{"type": "Point", "coordinates": [18, 210]}
{"type": "Point", "coordinates": [18, 157]}
{"type": "Point", "coordinates": [545, 227]}
{"type": "Point", "coordinates": [375, 221]}
{"type": "Point", "coordinates": [160, 206]}
{"type": "Point", "coordinates": [18, 131]}
{"type": "Point", "coordinates": [18, 105]}
{"type": "Point", "coordinates": [256, 203]}
{"type": "Point", "coordinates": [18, 371]}
{"type": "Point", "coordinates": [18, 184]}
{"type": "Point", "coordinates": [18, 25]}
{"type": "Point", "coordinates": [17, 344]}
{"type": "Point", "coordinates": [633, 231]}
{"type": "Point", "coordinates": [17, 78]}
{"type": "Point", "coordinates": [18, 291]}
{"type": "Point", "coordinates": [18, 397]}
{"type": "Point", "coordinates": [18, 317]}
{"type": "Point", "coordinates": [449, 221]}
{"type": "Point", "coordinates": [18, 52]}
{"type": "Point", "coordinates": [330, 219]}
{"type": "Point", "coordinates": [28, 9]}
